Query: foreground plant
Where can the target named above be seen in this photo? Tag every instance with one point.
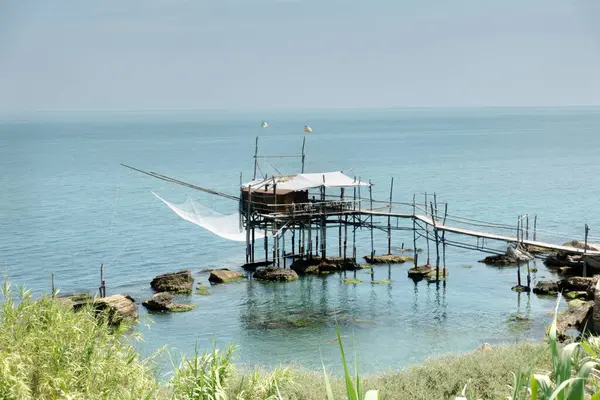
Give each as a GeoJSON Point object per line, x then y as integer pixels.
{"type": "Point", "coordinates": [47, 351]}
{"type": "Point", "coordinates": [353, 389]}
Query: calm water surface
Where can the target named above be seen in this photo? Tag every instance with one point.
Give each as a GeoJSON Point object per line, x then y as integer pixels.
{"type": "Point", "coordinates": [67, 206]}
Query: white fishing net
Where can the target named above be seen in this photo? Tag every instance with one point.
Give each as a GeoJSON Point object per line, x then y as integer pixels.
{"type": "Point", "coordinates": [225, 226]}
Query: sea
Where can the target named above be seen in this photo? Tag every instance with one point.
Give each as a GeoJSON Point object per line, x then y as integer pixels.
{"type": "Point", "coordinates": [67, 207]}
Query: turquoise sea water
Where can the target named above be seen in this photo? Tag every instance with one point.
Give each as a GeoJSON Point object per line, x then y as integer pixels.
{"type": "Point", "coordinates": [67, 206]}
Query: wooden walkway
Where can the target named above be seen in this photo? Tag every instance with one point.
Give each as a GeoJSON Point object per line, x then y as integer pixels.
{"type": "Point", "coordinates": [484, 235]}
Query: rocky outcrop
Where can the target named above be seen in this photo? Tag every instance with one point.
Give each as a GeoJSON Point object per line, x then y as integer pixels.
{"type": "Point", "coordinates": [564, 260]}
{"type": "Point", "coordinates": [224, 276]}
{"type": "Point", "coordinates": [175, 282]}
{"type": "Point", "coordinates": [318, 265]}
{"type": "Point", "coordinates": [419, 272]}
{"type": "Point", "coordinates": [119, 307]}
{"type": "Point", "coordinates": [546, 288]}
{"type": "Point", "coordinates": [74, 301]}
{"type": "Point", "coordinates": [500, 259]}
{"type": "Point", "coordinates": [163, 302]}
{"type": "Point", "coordinates": [388, 259]}
{"type": "Point", "coordinates": [573, 318]}
{"type": "Point", "coordinates": [276, 274]}
{"type": "Point", "coordinates": [579, 284]}
{"type": "Point", "coordinates": [578, 244]}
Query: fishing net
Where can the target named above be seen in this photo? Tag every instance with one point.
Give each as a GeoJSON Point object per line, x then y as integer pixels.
{"type": "Point", "coordinates": [225, 226]}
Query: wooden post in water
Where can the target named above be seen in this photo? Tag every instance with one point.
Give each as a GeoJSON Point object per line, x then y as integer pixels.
{"type": "Point", "coordinates": [534, 226]}
{"type": "Point", "coordinates": [389, 232]}
{"type": "Point", "coordinates": [340, 228]}
{"type": "Point", "coordinates": [310, 255]}
{"type": "Point", "coordinates": [427, 230]}
{"type": "Point", "coordinates": [414, 231]}
{"type": "Point", "coordinates": [354, 224]}
{"type": "Point", "coordinates": [371, 224]}
{"type": "Point", "coordinates": [303, 155]}
{"type": "Point", "coordinates": [587, 230]}
{"type": "Point", "coordinates": [266, 243]}
{"type": "Point", "coordinates": [252, 248]}
{"type": "Point", "coordinates": [437, 245]}
{"type": "Point", "coordinates": [248, 223]}
{"type": "Point", "coordinates": [527, 227]}
{"type": "Point", "coordinates": [102, 283]}
{"type": "Point", "coordinates": [53, 289]}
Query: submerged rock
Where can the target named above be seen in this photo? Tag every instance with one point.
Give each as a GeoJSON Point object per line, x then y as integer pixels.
{"type": "Point", "coordinates": [388, 259]}
{"type": "Point", "coordinates": [318, 265]}
{"type": "Point", "coordinates": [564, 260]}
{"type": "Point", "coordinates": [306, 265]}
{"type": "Point", "coordinates": [224, 276]}
{"type": "Point", "coordinates": [276, 274]}
{"type": "Point", "coordinates": [500, 259]}
{"type": "Point", "coordinates": [546, 288]}
{"type": "Point", "coordinates": [174, 282]}
{"type": "Point", "coordinates": [119, 307]}
{"type": "Point", "coordinates": [164, 302]}
{"type": "Point", "coordinates": [521, 288]}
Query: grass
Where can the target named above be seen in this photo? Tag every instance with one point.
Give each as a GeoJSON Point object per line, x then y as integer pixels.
{"type": "Point", "coordinates": [48, 351]}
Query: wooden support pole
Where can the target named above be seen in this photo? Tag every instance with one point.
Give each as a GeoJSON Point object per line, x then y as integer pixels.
{"type": "Point", "coordinates": [354, 224]}
{"type": "Point", "coordinates": [248, 223]}
{"type": "Point", "coordinates": [102, 284]}
{"type": "Point", "coordinates": [303, 155]}
{"type": "Point", "coordinates": [293, 242]}
{"type": "Point", "coordinates": [527, 227]}
{"type": "Point", "coordinates": [585, 242]}
{"type": "Point", "coordinates": [340, 227]}
{"type": "Point", "coordinates": [534, 227]}
{"type": "Point", "coordinates": [283, 249]}
{"type": "Point", "coordinates": [437, 249]}
{"type": "Point", "coordinates": [414, 231]}
{"type": "Point", "coordinates": [371, 223]}
{"type": "Point", "coordinates": [266, 242]}
{"type": "Point", "coordinates": [255, 157]}
{"type": "Point", "coordinates": [389, 231]}
{"type": "Point", "coordinates": [323, 223]}
{"type": "Point", "coordinates": [252, 249]}
{"type": "Point", "coordinates": [53, 288]}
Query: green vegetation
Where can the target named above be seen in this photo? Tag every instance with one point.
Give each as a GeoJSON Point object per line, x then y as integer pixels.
{"type": "Point", "coordinates": [467, 266]}
{"type": "Point", "coordinates": [382, 282]}
{"type": "Point", "coordinates": [352, 281]}
{"type": "Point", "coordinates": [48, 351]}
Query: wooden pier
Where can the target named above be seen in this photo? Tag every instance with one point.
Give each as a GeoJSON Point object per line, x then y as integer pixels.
{"type": "Point", "coordinates": [299, 209]}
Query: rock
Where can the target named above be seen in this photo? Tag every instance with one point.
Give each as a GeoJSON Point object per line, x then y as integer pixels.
{"type": "Point", "coordinates": [537, 250]}
{"type": "Point", "coordinates": [546, 287]}
{"type": "Point", "coordinates": [120, 307]}
{"type": "Point", "coordinates": [576, 303]}
{"type": "Point", "coordinates": [306, 265]}
{"type": "Point", "coordinates": [500, 259]}
{"type": "Point", "coordinates": [575, 295]}
{"type": "Point", "coordinates": [388, 259]}
{"type": "Point", "coordinates": [276, 274]}
{"type": "Point", "coordinates": [159, 302]}
{"type": "Point", "coordinates": [595, 328]}
{"type": "Point", "coordinates": [573, 317]}
{"type": "Point", "coordinates": [164, 302]}
{"type": "Point", "coordinates": [578, 244]}
{"type": "Point", "coordinates": [485, 347]}
{"type": "Point", "coordinates": [74, 301]}
{"type": "Point", "coordinates": [175, 282]}
{"type": "Point", "coordinates": [419, 272]}
{"type": "Point", "coordinates": [433, 276]}
{"type": "Point", "coordinates": [578, 283]}
{"type": "Point", "coordinates": [224, 276]}
{"type": "Point", "coordinates": [564, 260]}
{"type": "Point", "coordinates": [520, 288]}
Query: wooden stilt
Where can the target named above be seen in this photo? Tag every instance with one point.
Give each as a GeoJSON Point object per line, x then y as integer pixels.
{"type": "Point", "coordinates": [414, 230]}
{"type": "Point", "coordinates": [371, 224]}
{"type": "Point", "coordinates": [340, 228]}
{"type": "Point", "coordinates": [534, 227]}
{"type": "Point", "coordinates": [389, 231]}
{"type": "Point", "coordinates": [53, 288]}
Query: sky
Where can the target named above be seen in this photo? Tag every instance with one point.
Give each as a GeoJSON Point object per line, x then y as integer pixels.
{"type": "Point", "coordinates": [71, 55]}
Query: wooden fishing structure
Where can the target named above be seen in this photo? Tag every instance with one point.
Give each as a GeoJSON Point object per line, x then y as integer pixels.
{"type": "Point", "coordinates": [306, 210]}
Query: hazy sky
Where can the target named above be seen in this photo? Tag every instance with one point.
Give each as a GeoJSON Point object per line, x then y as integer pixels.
{"type": "Point", "coordinates": [237, 54]}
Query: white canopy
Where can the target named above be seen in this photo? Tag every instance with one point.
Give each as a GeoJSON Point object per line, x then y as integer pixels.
{"type": "Point", "coordinates": [307, 181]}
